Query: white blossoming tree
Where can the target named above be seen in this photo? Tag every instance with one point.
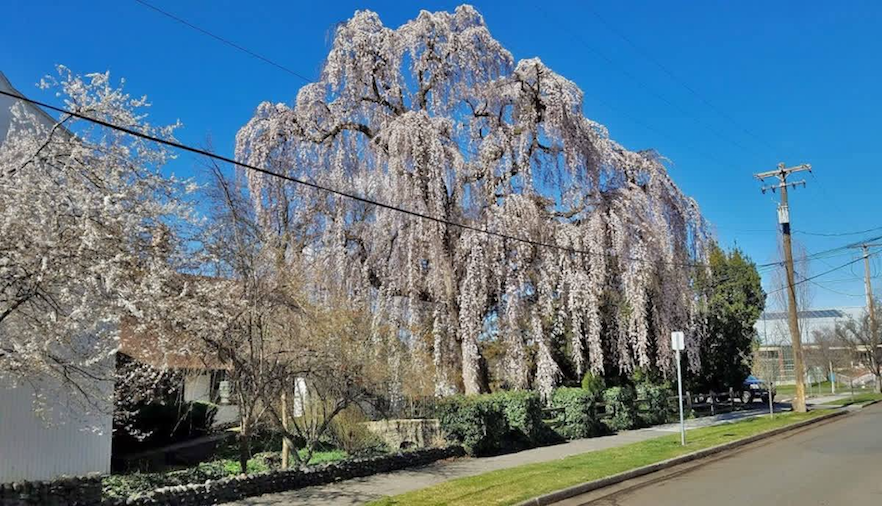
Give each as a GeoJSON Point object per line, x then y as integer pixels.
{"type": "Point", "coordinates": [437, 117]}
{"type": "Point", "coordinates": [88, 235]}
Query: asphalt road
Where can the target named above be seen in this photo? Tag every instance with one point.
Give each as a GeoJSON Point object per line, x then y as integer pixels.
{"type": "Point", "coordinates": [839, 463]}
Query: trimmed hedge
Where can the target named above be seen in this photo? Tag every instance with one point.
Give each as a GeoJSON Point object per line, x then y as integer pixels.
{"type": "Point", "coordinates": [656, 398]}
{"type": "Point", "coordinates": [493, 423]}
{"type": "Point", "coordinates": [622, 403]}
{"type": "Point", "coordinates": [594, 384]}
{"type": "Point", "coordinates": [577, 416]}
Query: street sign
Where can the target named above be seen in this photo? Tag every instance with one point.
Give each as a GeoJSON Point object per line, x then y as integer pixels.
{"type": "Point", "coordinates": [678, 341]}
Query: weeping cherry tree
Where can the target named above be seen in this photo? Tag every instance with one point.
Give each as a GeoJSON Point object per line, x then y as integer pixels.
{"type": "Point", "coordinates": [438, 118]}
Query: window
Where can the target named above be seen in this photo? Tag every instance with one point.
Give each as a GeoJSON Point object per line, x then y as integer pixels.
{"type": "Point", "coordinates": [220, 391]}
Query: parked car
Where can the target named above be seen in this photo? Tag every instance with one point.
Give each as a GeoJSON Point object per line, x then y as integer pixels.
{"type": "Point", "coordinates": [755, 388]}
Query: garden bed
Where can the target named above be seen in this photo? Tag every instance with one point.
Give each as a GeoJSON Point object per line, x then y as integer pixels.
{"type": "Point", "coordinates": [121, 486]}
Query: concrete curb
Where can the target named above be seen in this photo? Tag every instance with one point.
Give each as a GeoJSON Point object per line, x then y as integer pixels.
{"type": "Point", "coordinates": [583, 488]}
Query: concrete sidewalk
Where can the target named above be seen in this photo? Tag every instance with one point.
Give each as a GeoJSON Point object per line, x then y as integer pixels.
{"type": "Point", "coordinates": [362, 490]}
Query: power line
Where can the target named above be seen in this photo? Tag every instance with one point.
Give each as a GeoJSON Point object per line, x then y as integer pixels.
{"type": "Point", "coordinates": [838, 234]}
{"type": "Point", "coordinates": [606, 104]}
{"type": "Point", "coordinates": [820, 255]}
{"type": "Point", "coordinates": [804, 280]}
{"type": "Point", "coordinates": [660, 133]}
{"type": "Point", "coordinates": [315, 186]}
{"type": "Point", "coordinates": [836, 291]}
{"type": "Point", "coordinates": [673, 76]}
{"type": "Point", "coordinates": [223, 40]}
{"type": "Point", "coordinates": [286, 69]}
{"type": "Point", "coordinates": [642, 84]}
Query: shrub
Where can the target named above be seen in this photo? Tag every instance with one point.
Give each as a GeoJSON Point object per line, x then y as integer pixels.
{"type": "Point", "coordinates": [594, 384]}
{"type": "Point", "coordinates": [656, 401]}
{"type": "Point", "coordinates": [522, 411]}
{"type": "Point", "coordinates": [492, 423]}
{"type": "Point", "coordinates": [577, 415]}
{"type": "Point", "coordinates": [621, 402]}
{"type": "Point", "coordinates": [349, 433]}
{"type": "Point", "coordinates": [157, 424]}
{"type": "Point", "coordinates": [475, 424]}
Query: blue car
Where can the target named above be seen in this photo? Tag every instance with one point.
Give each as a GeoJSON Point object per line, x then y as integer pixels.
{"type": "Point", "coordinates": [755, 388]}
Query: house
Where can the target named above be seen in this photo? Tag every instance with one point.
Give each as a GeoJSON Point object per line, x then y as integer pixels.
{"type": "Point", "coordinates": [54, 440]}
{"type": "Point", "coordinates": [205, 375]}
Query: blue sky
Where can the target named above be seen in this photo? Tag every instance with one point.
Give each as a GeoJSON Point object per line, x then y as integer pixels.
{"type": "Point", "coordinates": [802, 77]}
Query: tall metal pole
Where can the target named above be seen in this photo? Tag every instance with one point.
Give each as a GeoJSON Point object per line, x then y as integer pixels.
{"type": "Point", "coordinates": [793, 320]}
{"type": "Point", "coordinates": [680, 394]}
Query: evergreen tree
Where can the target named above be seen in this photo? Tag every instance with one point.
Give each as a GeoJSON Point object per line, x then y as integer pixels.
{"type": "Point", "coordinates": [734, 302]}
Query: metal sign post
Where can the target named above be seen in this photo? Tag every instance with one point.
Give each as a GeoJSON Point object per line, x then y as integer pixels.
{"type": "Point", "coordinates": [678, 343]}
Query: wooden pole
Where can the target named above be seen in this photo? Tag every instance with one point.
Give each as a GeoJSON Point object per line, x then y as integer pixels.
{"type": "Point", "coordinates": [784, 219]}
{"type": "Point", "coordinates": [286, 441]}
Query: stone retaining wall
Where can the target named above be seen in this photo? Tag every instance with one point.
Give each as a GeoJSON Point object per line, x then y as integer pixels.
{"type": "Point", "coordinates": [86, 491]}
{"type": "Point", "coordinates": [407, 433]}
{"type": "Point", "coordinates": [238, 487]}
{"type": "Point", "coordinates": [82, 491]}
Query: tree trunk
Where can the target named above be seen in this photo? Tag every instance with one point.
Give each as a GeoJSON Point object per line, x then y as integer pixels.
{"type": "Point", "coordinates": [471, 366]}
{"type": "Point", "coordinates": [286, 441]}
{"type": "Point", "coordinates": [244, 444]}
{"type": "Point", "coordinates": [878, 382]}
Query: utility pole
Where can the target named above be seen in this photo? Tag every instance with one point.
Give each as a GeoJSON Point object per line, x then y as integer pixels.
{"type": "Point", "coordinates": [784, 219]}
{"type": "Point", "coordinates": [868, 287]}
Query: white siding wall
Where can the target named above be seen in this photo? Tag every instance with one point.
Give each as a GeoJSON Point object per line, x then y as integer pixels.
{"type": "Point", "coordinates": [32, 449]}
{"type": "Point", "coordinates": [198, 388]}
{"type": "Point", "coordinates": [6, 104]}
{"type": "Point", "coordinates": [226, 414]}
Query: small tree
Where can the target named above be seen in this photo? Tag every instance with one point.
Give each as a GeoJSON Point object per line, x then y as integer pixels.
{"type": "Point", "coordinates": [90, 232]}
{"type": "Point", "coordinates": [298, 355]}
{"type": "Point", "coordinates": [864, 340]}
{"type": "Point", "coordinates": [826, 353]}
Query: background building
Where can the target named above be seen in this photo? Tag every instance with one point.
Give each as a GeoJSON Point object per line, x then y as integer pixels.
{"type": "Point", "coordinates": [775, 354]}
{"type": "Point", "coordinates": [54, 440]}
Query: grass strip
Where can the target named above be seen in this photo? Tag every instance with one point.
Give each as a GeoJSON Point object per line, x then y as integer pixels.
{"type": "Point", "coordinates": [516, 484]}
{"type": "Point", "coordinates": [858, 399]}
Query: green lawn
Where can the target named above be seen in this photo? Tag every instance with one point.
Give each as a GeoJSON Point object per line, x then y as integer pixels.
{"type": "Point", "coordinates": [860, 398]}
{"type": "Point", "coordinates": [510, 486]}
{"type": "Point", "coordinates": [816, 389]}
{"type": "Point", "coordinates": [786, 391]}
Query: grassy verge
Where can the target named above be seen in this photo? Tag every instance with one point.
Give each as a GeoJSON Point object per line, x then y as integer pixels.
{"type": "Point", "coordinates": [510, 486]}
{"type": "Point", "coordinates": [861, 398]}
{"type": "Point", "coordinates": [813, 390]}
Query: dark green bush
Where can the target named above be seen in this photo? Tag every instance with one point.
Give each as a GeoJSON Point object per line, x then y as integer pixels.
{"type": "Point", "coordinates": [474, 424]}
{"type": "Point", "coordinates": [577, 413]}
{"type": "Point", "coordinates": [523, 414]}
{"type": "Point", "coordinates": [621, 402]}
{"type": "Point", "coordinates": [158, 424]}
{"type": "Point", "coordinates": [656, 404]}
{"type": "Point", "coordinates": [594, 384]}
{"type": "Point", "coordinates": [493, 423]}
